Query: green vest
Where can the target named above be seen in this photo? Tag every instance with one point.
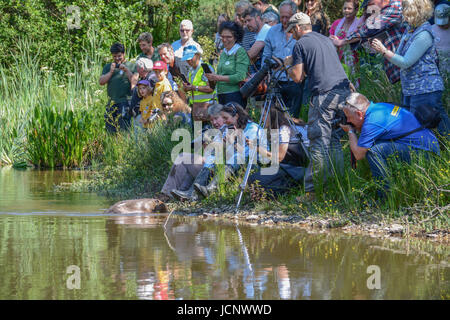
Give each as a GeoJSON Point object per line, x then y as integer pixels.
{"type": "Point", "coordinates": [196, 79]}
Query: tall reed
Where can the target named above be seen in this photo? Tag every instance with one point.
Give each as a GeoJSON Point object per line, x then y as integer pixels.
{"type": "Point", "coordinates": [47, 119]}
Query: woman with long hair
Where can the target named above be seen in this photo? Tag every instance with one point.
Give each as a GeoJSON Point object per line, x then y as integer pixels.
{"type": "Point", "coordinates": [417, 58]}
{"type": "Point", "coordinates": [171, 103]}
{"type": "Point", "coordinates": [291, 164]}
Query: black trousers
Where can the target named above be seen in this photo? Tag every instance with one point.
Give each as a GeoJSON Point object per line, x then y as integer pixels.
{"type": "Point", "coordinates": [292, 94]}
{"type": "Point", "coordinates": [279, 182]}
{"type": "Point", "coordinates": [117, 117]}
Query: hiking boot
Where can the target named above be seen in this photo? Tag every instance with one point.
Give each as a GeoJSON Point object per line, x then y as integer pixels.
{"type": "Point", "coordinates": [188, 195]}
{"type": "Point", "coordinates": [205, 190]}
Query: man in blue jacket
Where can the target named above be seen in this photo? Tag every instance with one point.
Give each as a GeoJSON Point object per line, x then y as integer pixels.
{"type": "Point", "coordinates": [386, 129]}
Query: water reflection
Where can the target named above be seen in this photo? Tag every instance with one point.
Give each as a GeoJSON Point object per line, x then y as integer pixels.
{"type": "Point", "coordinates": [34, 191]}
{"type": "Point", "coordinates": [199, 260]}
{"type": "Point", "coordinates": [143, 257]}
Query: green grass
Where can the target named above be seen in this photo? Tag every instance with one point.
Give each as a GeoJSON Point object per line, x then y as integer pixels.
{"type": "Point", "coordinates": [136, 164]}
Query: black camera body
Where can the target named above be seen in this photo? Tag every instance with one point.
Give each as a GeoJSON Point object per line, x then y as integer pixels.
{"type": "Point", "coordinates": [339, 119]}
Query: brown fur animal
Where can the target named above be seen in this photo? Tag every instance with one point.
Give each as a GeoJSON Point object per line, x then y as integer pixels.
{"type": "Point", "coordinates": [138, 206]}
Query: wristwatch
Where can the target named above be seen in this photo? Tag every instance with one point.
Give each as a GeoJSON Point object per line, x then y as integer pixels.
{"type": "Point", "coordinates": [196, 88]}
{"type": "Point", "coordinates": [351, 131]}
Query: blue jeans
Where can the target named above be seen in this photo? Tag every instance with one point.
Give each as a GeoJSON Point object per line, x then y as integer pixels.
{"type": "Point", "coordinates": [292, 94]}
{"type": "Point", "coordinates": [225, 98]}
{"type": "Point", "coordinates": [377, 157]}
{"type": "Point", "coordinates": [434, 99]}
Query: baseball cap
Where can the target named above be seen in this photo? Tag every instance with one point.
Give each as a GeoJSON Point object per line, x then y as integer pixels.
{"type": "Point", "coordinates": [441, 13]}
{"type": "Point", "coordinates": [189, 52]}
{"type": "Point", "coordinates": [144, 82]}
{"type": "Point", "coordinates": [160, 65]}
{"type": "Point", "coordinates": [298, 18]}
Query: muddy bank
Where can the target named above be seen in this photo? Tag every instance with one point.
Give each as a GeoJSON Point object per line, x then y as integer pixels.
{"type": "Point", "coordinates": [365, 223]}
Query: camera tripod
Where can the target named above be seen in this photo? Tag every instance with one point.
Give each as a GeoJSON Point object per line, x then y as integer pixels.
{"type": "Point", "coordinates": [273, 98]}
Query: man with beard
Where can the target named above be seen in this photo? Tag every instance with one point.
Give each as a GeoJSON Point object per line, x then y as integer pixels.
{"type": "Point", "coordinates": [120, 77]}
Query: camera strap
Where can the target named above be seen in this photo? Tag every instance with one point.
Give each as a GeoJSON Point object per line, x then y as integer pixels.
{"type": "Point", "coordinates": [407, 134]}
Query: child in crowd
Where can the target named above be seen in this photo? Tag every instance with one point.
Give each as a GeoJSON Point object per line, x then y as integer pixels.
{"type": "Point", "coordinates": [162, 85]}
{"type": "Point", "coordinates": [145, 92]}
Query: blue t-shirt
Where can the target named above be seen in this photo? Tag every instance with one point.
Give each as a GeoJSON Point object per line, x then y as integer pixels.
{"type": "Point", "coordinates": [261, 36]}
{"type": "Point", "coordinates": [384, 121]}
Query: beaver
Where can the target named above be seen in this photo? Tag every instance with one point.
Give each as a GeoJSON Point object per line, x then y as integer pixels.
{"type": "Point", "coordinates": [138, 206]}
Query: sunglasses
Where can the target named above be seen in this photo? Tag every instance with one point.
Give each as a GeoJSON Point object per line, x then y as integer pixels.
{"type": "Point", "coordinates": [350, 105]}
{"type": "Point", "coordinates": [165, 105]}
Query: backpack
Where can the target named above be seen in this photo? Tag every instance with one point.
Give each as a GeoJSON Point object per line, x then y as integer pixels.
{"type": "Point", "coordinates": [428, 117]}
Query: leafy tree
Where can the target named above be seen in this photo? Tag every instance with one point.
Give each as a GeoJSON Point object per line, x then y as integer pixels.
{"type": "Point", "coordinates": [46, 23]}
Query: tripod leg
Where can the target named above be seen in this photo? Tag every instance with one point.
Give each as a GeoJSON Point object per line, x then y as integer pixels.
{"type": "Point", "coordinates": [263, 121]}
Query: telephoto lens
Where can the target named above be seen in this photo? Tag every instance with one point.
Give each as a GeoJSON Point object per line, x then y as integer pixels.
{"type": "Point", "coordinates": [252, 85]}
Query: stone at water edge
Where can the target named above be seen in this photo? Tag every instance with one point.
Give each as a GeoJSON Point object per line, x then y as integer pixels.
{"type": "Point", "coordinates": [395, 228]}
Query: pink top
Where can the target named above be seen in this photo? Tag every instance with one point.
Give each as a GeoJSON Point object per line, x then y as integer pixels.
{"type": "Point", "coordinates": [338, 31]}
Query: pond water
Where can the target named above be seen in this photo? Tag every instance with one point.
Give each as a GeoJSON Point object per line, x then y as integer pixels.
{"type": "Point", "coordinates": [59, 245]}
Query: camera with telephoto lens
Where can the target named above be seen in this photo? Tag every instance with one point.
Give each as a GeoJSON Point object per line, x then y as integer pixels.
{"type": "Point", "coordinates": [155, 113]}
{"type": "Point", "coordinates": [252, 85]}
{"type": "Point", "coordinates": [339, 119]}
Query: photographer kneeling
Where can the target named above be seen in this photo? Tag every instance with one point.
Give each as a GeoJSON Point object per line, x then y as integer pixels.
{"type": "Point", "coordinates": [292, 159]}
{"type": "Point", "coordinates": [386, 130]}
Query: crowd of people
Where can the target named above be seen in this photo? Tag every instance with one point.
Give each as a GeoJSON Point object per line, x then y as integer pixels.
{"type": "Point", "coordinates": [172, 81]}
